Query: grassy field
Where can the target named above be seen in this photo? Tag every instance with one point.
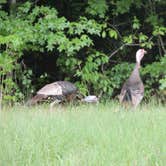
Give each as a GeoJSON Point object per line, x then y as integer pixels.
{"type": "Point", "coordinates": [86, 135]}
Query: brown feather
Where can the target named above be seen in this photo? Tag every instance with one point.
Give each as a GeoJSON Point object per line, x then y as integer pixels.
{"type": "Point", "coordinates": [60, 90]}
{"type": "Point", "coordinates": [36, 99]}
{"type": "Point", "coordinates": [133, 89]}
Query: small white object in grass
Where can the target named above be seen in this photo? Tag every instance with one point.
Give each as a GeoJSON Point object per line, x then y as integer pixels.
{"type": "Point", "coordinates": [91, 99]}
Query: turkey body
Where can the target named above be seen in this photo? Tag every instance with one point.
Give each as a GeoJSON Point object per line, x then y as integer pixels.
{"type": "Point", "coordinates": [132, 91]}
{"type": "Point", "coordinates": [55, 92]}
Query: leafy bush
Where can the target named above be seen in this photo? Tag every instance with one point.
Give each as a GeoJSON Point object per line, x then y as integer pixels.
{"type": "Point", "coordinates": [154, 75]}
{"type": "Point", "coordinates": [91, 47]}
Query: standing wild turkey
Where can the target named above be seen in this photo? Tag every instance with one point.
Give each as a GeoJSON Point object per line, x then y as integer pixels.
{"type": "Point", "coordinates": [56, 92]}
{"type": "Point", "coordinates": [133, 89]}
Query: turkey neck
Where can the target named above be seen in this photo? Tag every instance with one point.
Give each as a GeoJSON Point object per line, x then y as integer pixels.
{"type": "Point", "coordinates": [135, 74]}
{"type": "Point", "coordinates": [137, 66]}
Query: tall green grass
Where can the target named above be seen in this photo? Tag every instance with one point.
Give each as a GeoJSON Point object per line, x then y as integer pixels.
{"type": "Point", "coordinates": [86, 135]}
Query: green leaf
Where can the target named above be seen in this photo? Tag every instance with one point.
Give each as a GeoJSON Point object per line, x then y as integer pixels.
{"type": "Point", "coordinates": [128, 39]}
{"type": "Point", "coordinates": [142, 37]}
{"type": "Point", "coordinates": [103, 34]}
{"type": "Point", "coordinates": [97, 8]}
{"type": "Point", "coordinates": [113, 34]}
{"type": "Point", "coordinates": [136, 23]}
{"type": "Point", "coordinates": [159, 31]}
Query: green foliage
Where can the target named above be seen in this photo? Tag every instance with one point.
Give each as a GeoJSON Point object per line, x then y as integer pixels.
{"type": "Point", "coordinates": [6, 63]}
{"type": "Point", "coordinates": [113, 34]}
{"type": "Point", "coordinates": [136, 23]}
{"type": "Point", "coordinates": [7, 85]}
{"type": "Point", "coordinates": [123, 6]}
{"type": "Point", "coordinates": [91, 74]}
{"type": "Point", "coordinates": [33, 33]}
{"type": "Point", "coordinates": [83, 45]}
{"type": "Point", "coordinates": [97, 8]}
{"type": "Point", "coordinates": [2, 2]}
{"type": "Point", "coordinates": [128, 39]}
{"type": "Point", "coordinates": [159, 30]}
{"type": "Point", "coordinates": [119, 74]}
{"type": "Point", "coordinates": [155, 77]}
{"type": "Point", "coordinates": [163, 83]}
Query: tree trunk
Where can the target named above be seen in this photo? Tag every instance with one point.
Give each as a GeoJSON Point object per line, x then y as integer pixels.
{"type": "Point", "coordinates": [12, 6]}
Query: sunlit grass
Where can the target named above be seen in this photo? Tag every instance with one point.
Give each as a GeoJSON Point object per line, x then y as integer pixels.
{"type": "Point", "coordinates": [94, 135]}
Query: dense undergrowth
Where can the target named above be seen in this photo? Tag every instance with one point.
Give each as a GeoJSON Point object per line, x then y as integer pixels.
{"type": "Point", "coordinates": [88, 43]}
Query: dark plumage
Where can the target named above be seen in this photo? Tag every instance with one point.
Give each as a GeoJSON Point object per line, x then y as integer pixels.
{"type": "Point", "coordinates": [133, 89]}
{"type": "Point", "coordinates": [55, 92]}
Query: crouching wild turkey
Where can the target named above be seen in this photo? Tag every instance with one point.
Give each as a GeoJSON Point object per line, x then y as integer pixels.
{"type": "Point", "coordinates": [133, 89]}
{"type": "Point", "coordinates": [55, 92]}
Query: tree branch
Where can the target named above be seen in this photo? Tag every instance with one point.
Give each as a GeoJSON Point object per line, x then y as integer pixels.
{"type": "Point", "coordinates": [123, 45]}
{"type": "Point", "coordinates": [162, 44]}
{"type": "Point", "coordinates": [117, 50]}
{"type": "Point", "coordinates": [137, 44]}
{"type": "Point", "coordinates": [115, 30]}
{"type": "Point", "coordinates": [160, 51]}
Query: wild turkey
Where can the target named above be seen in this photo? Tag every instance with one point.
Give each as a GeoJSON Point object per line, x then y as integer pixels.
{"type": "Point", "coordinates": [56, 92]}
{"type": "Point", "coordinates": [133, 89]}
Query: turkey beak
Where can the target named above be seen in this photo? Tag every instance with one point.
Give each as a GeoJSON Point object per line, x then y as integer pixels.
{"type": "Point", "coordinates": [145, 52]}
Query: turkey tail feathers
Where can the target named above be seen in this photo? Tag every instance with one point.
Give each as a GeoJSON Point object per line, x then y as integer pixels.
{"type": "Point", "coordinates": [127, 97]}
